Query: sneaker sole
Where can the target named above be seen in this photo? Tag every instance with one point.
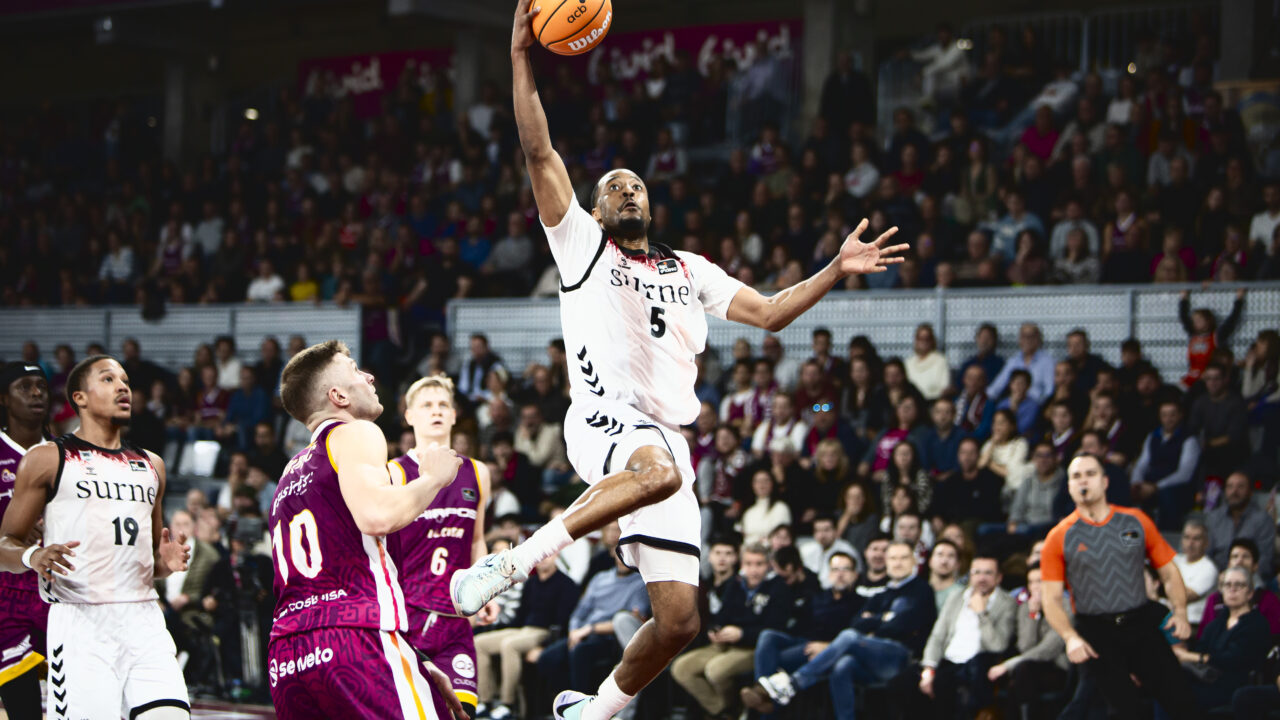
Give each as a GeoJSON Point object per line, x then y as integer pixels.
{"type": "Point", "coordinates": [565, 700]}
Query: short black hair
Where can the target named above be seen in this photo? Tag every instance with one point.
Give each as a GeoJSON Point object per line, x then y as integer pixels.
{"type": "Point", "coordinates": [1247, 544]}
{"type": "Point", "coordinates": [880, 536]}
{"type": "Point", "coordinates": [787, 556]}
{"type": "Point", "coordinates": [723, 539]}
{"type": "Point", "coordinates": [1131, 345]}
{"type": "Point", "coordinates": [503, 437]}
{"type": "Point", "coordinates": [822, 331]}
{"type": "Point", "coordinates": [843, 554]}
{"type": "Point", "coordinates": [827, 517]}
{"type": "Point", "coordinates": [75, 379]}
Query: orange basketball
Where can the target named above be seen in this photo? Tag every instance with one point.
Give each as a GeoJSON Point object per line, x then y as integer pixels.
{"type": "Point", "coordinates": [571, 27]}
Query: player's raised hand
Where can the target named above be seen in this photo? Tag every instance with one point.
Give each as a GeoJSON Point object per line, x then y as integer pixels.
{"type": "Point", "coordinates": [52, 559]}
{"type": "Point", "coordinates": [175, 554]}
{"type": "Point", "coordinates": [861, 258]}
{"type": "Point", "coordinates": [522, 31]}
{"type": "Point", "coordinates": [445, 686]}
{"type": "Point", "coordinates": [438, 464]}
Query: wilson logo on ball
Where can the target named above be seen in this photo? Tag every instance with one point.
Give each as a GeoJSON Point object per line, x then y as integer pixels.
{"type": "Point", "coordinates": [591, 38]}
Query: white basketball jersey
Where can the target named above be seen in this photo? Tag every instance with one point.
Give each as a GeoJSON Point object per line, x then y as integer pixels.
{"type": "Point", "coordinates": [633, 323]}
{"type": "Point", "coordinates": [104, 499]}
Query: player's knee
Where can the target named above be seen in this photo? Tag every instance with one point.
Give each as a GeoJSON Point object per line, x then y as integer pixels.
{"type": "Point", "coordinates": [680, 629]}
{"type": "Point", "coordinates": [659, 478]}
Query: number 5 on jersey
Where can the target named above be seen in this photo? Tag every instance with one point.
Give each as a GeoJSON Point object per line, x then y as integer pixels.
{"type": "Point", "coordinates": [657, 326]}
{"type": "Point", "coordinates": [308, 560]}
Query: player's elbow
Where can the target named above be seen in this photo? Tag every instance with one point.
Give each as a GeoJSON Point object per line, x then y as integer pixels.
{"type": "Point", "coordinates": [773, 320]}
{"type": "Point", "coordinates": [375, 521]}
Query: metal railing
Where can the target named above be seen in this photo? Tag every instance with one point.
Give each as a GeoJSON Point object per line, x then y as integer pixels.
{"type": "Point", "coordinates": [172, 340]}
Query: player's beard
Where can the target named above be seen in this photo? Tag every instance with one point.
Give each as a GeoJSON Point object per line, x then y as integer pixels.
{"type": "Point", "coordinates": [629, 228]}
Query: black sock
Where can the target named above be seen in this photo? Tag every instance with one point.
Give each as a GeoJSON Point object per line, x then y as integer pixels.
{"type": "Point", "coordinates": [21, 696]}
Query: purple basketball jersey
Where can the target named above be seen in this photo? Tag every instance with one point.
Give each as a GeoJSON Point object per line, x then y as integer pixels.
{"type": "Point", "coordinates": [327, 572]}
{"type": "Point", "coordinates": [11, 453]}
{"type": "Point", "coordinates": [438, 543]}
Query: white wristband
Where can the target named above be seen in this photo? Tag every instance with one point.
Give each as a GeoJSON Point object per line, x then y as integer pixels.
{"type": "Point", "coordinates": [26, 556]}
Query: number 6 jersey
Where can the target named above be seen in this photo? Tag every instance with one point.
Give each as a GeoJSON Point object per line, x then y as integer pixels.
{"type": "Point", "coordinates": [104, 499]}
{"type": "Point", "coordinates": [327, 572]}
{"type": "Point", "coordinates": [633, 322]}
{"type": "Point", "coordinates": [438, 542]}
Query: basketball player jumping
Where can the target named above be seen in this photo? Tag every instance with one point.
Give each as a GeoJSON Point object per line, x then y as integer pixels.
{"type": "Point", "coordinates": [634, 317]}
{"type": "Point", "coordinates": [105, 544]}
{"type": "Point", "coordinates": [447, 537]}
{"type": "Point", "coordinates": [24, 408]}
{"type": "Point", "coordinates": [337, 649]}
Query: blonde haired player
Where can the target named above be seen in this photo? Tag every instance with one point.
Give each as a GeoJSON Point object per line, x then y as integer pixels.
{"type": "Point", "coordinates": [446, 537]}
{"type": "Point", "coordinates": [105, 544]}
{"type": "Point", "coordinates": [634, 317]}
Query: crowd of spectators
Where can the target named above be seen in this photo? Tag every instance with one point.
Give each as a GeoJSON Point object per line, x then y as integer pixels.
{"type": "Point", "coordinates": [1030, 175]}
{"type": "Point", "coordinates": [810, 472]}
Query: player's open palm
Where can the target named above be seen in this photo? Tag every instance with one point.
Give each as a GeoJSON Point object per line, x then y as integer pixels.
{"type": "Point", "coordinates": [864, 258]}
{"type": "Point", "coordinates": [174, 552]}
{"type": "Point", "coordinates": [522, 32]}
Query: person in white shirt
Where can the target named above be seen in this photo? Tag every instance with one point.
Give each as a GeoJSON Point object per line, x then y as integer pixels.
{"type": "Point", "coordinates": [767, 512]}
{"type": "Point", "coordinates": [971, 634]}
{"type": "Point", "coordinates": [927, 368]}
{"type": "Point", "coordinates": [946, 67]}
{"type": "Point", "coordinates": [1199, 573]}
{"type": "Point", "coordinates": [1264, 224]}
{"type": "Point", "coordinates": [267, 286]}
{"type": "Point", "coordinates": [225, 360]}
{"type": "Point", "coordinates": [782, 423]}
{"type": "Point", "coordinates": [816, 552]}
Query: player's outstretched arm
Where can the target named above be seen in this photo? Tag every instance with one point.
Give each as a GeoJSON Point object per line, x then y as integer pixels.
{"type": "Point", "coordinates": [379, 506]}
{"type": "Point", "coordinates": [552, 189]}
{"type": "Point", "coordinates": [856, 258]}
{"type": "Point", "coordinates": [30, 494]}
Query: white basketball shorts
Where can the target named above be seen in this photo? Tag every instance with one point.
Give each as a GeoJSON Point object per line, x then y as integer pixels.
{"type": "Point", "coordinates": [111, 661]}
{"type": "Point", "coordinates": [600, 437]}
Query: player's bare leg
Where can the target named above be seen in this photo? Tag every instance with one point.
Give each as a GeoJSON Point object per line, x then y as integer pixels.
{"type": "Point", "coordinates": [650, 477]}
{"type": "Point", "coordinates": [654, 646]}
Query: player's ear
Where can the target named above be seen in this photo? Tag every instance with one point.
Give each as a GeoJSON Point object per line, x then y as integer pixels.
{"type": "Point", "coordinates": [338, 397]}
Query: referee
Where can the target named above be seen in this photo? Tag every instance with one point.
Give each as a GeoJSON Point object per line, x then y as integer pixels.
{"type": "Point", "coordinates": [1099, 550]}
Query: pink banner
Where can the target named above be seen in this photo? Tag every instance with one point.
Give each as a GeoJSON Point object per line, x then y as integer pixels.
{"type": "Point", "coordinates": [630, 54]}
{"type": "Point", "coordinates": [367, 78]}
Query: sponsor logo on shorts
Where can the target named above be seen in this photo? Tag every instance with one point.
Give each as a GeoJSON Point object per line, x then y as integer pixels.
{"type": "Point", "coordinates": [18, 651]}
{"type": "Point", "coordinates": [464, 666]}
{"type": "Point", "coordinates": [280, 669]}
{"type": "Point", "coordinates": [305, 603]}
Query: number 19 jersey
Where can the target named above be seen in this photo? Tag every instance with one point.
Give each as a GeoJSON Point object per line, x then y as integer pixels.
{"type": "Point", "coordinates": [633, 322]}
{"type": "Point", "coordinates": [327, 572]}
{"type": "Point", "coordinates": [104, 499]}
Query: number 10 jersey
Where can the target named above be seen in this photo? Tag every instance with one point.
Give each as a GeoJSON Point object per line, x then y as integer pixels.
{"type": "Point", "coordinates": [104, 499]}
{"type": "Point", "coordinates": [327, 572]}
